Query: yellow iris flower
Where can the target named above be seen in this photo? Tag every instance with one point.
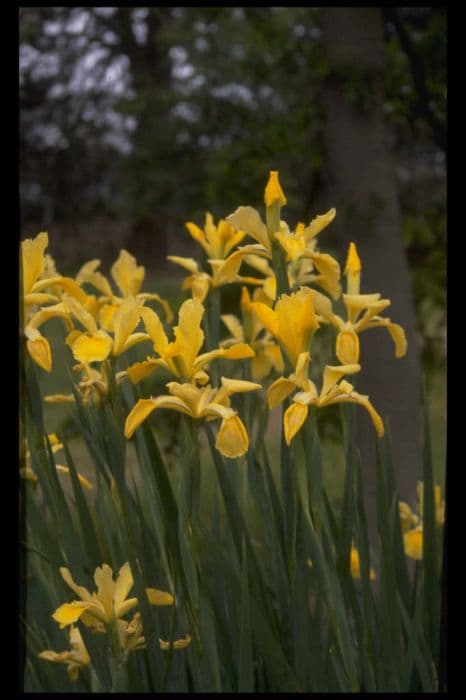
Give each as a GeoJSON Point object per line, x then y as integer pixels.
{"type": "Point", "coordinates": [180, 357]}
{"type": "Point", "coordinates": [411, 522]}
{"type": "Point", "coordinates": [95, 344]}
{"type": "Point", "coordinates": [109, 603]}
{"type": "Point", "coordinates": [217, 241]}
{"type": "Point", "coordinates": [128, 276]}
{"type": "Point", "coordinates": [362, 315]}
{"type": "Point", "coordinates": [300, 246]}
{"type": "Point", "coordinates": [267, 353]}
{"type": "Point", "coordinates": [75, 659]}
{"type": "Point", "coordinates": [223, 272]}
{"type": "Point", "coordinates": [334, 390]}
{"type": "Point", "coordinates": [131, 636]}
{"type": "Point", "coordinates": [292, 323]}
{"type": "Point", "coordinates": [38, 274]}
{"type": "Point", "coordinates": [201, 402]}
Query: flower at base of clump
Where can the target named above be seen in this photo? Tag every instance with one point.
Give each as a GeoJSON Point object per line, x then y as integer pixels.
{"type": "Point", "coordinates": [267, 353]}
{"type": "Point", "coordinates": [355, 565]}
{"type": "Point", "coordinates": [199, 403]}
{"type": "Point", "coordinates": [181, 356]}
{"type": "Point", "coordinates": [411, 522]}
{"type": "Point", "coordinates": [75, 659]}
{"type": "Point", "coordinates": [292, 322]}
{"type": "Point", "coordinates": [335, 390]}
{"type": "Point", "coordinates": [362, 312]}
{"type": "Point", "coordinates": [28, 473]}
{"type": "Point", "coordinates": [109, 603]}
{"type": "Point", "coordinates": [131, 636]}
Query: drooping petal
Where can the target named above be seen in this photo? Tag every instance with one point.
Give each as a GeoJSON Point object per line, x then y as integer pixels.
{"type": "Point", "coordinates": [139, 370]}
{"type": "Point", "coordinates": [399, 338]}
{"type": "Point", "coordinates": [156, 597]}
{"type": "Point", "coordinates": [88, 273]}
{"type": "Point", "coordinates": [278, 391]}
{"type": "Point", "coordinates": [232, 438]}
{"type": "Point", "coordinates": [39, 350]}
{"type": "Point", "coordinates": [92, 347]}
{"type": "Point", "coordinates": [293, 420]}
{"type": "Point", "coordinates": [333, 374]}
{"type": "Point", "coordinates": [138, 414]}
{"type": "Point", "coordinates": [69, 613]}
{"type": "Point", "coordinates": [80, 313]}
{"type": "Point", "coordinates": [347, 348]}
{"type": "Point", "coordinates": [362, 400]}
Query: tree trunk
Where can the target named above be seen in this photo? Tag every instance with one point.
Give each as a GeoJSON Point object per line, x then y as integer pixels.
{"type": "Point", "coordinates": [361, 184]}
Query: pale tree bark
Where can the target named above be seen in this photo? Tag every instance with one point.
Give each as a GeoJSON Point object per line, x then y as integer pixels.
{"type": "Point", "coordinates": [360, 182]}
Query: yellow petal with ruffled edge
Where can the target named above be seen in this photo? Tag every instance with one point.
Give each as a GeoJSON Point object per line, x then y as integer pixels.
{"type": "Point", "coordinates": [39, 350]}
{"type": "Point", "coordinates": [248, 220]}
{"type": "Point", "coordinates": [318, 224]}
{"type": "Point", "coordinates": [69, 613]}
{"type": "Point", "coordinates": [140, 370]}
{"type": "Point", "coordinates": [32, 258]}
{"type": "Point", "coordinates": [127, 274]}
{"type": "Point", "coordinates": [293, 420]}
{"type": "Point", "coordinates": [347, 348]}
{"type": "Point", "coordinates": [188, 333]}
{"type": "Point", "coordinates": [278, 391]}
{"type": "Point", "coordinates": [232, 438]}
{"type": "Point", "coordinates": [92, 347]}
{"type": "Point", "coordinates": [413, 543]}
{"type": "Point", "coordinates": [156, 597]}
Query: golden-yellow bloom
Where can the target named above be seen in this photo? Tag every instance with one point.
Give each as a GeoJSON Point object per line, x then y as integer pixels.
{"type": "Point", "coordinates": [181, 356]}
{"type": "Point", "coordinates": [267, 352]}
{"type": "Point", "coordinates": [201, 402]}
{"type": "Point", "coordinates": [292, 322]}
{"type": "Point", "coordinates": [362, 311]}
{"type": "Point", "coordinates": [131, 636]}
{"type": "Point", "coordinates": [223, 272]}
{"type": "Point", "coordinates": [413, 541]}
{"type": "Point", "coordinates": [109, 603]}
{"type": "Point", "coordinates": [75, 659]}
{"type": "Point", "coordinates": [334, 390]}
{"type": "Point", "coordinates": [217, 241]}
